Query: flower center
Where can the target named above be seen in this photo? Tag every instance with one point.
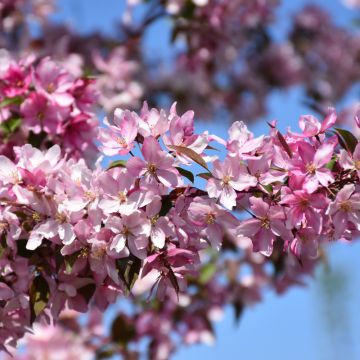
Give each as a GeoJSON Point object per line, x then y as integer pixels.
{"type": "Point", "coordinates": [121, 141]}
{"type": "Point", "coordinates": [265, 222]}
{"type": "Point", "coordinates": [40, 115]}
{"type": "Point", "coordinates": [151, 168]}
{"type": "Point", "coordinates": [122, 197]}
{"type": "Point", "coordinates": [50, 88]}
{"type": "Point", "coordinates": [226, 179]}
{"type": "Point", "coordinates": [126, 231]}
{"type": "Point", "coordinates": [99, 252]}
{"type": "Point", "coordinates": [357, 164]}
{"type": "Point", "coordinates": [89, 195]}
{"type": "Point", "coordinates": [311, 168]}
{"type": "Point", "coordinates": [346, 206]}
{"type": "Point", "coordinates": [304, 203]}
{"type": "Point", "coordinates": [3, 226]}
{"type": "Point", "coordinates": [210, 218]}
{"type": "Point", "coordinates": [154, 219]}
{"type": "Point", "coordinates": [36, 217]}
{"type": "Point", "coordinates": [60, 217]}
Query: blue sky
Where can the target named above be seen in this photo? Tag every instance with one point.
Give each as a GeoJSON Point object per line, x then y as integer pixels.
{"type": "Point", "coordinates": [313, 323]}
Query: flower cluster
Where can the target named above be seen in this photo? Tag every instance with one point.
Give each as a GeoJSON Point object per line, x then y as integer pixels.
{"type": "Point", "coordinates": [43, 104]}
{"type": "Point", "coordinates": [78, 235]}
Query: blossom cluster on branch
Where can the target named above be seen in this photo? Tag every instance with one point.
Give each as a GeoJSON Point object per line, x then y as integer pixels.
{"type": "Point", "coordinates": [42, 104]}
{"type": "Point", "coordinates": [71, 236]}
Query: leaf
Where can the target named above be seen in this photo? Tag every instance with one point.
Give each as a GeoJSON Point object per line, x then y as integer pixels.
{"type": "Point", "coordinates": [284, 144]}
{"type": "Point", "coordinates": [166, 205]}
{"type": "Point", "coordinates": [87, 291]}
{"type": "Point", "coordinates": [173, 280]}
{"type": "Point", "coordinates": [10, 126]}
{"type": "Point", "coordinates": [207, 272]}
{"type": "Point", "coordinates": [104, 354]}
{"type": "Point", "coordinates": [347, 140]}
{"type": "Point", "coordinates": [188, 174]}
{"type": "Point", "coordinates": [205, 176]}
{"type": "Point", "coordinates": [238, 309]}
{"type": "Point", "coordinates": [117, 163]}
{"type": "Point", "coordinates": [22, 250]}
{"type": "Point", "coordinates": [331, 164]}
{"type": "Point", "coordinates": [129, 269]}
{"type": "Point", "coordinates": [16, 100]}
{"type": "Point", "coordinates": [39, 296]}
{"type": "Point", "coordinates": [36, 139]}
{"type": "Point", "coordinates": [190, 154]}
{"type": "Point", "coordinates": [122, 331]}
{"type": "Point", "coordinates": [3, 246]}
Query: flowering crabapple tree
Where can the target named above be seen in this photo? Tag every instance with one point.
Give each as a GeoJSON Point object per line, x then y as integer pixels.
{"type": "Point", "coordinates": [157, 225]}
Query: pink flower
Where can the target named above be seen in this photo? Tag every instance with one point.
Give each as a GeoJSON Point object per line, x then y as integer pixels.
{"type": "Point", "coordinates": [16, 81]}
{"type": "Point", "coordinates": [9, 173]}
{"type": "Point", "coordinates": [119, 138]}
{"type": "Point", "coordinates": [157, 167]}
{"type": "Point", "coordinates": [160, 227]}
{"type": "Point", "coordinates": [152, 122]}
{"type": "Point", "coordinates": [304, 209]}
{"type": "Point", "coordinates": [312, 166]}
{"type": "Point", "coordinates": [349, 162]}
{"type": "Point", "coordinates": [39, 114]}
{"type": "Point", "coordinates": [241, 142]}
{"type": "Point", "coordinates": [305, 243]}
{"type": "Point", "coordinates": [265, 227]}
{"type": "Point", "coordinates": [53, 82]}
{"type": "Point", "coordinates": [214, 220]}
{"type": "Point", "coordinates": [310, 126]}
{"type": "Point", "coordinates": [120, 196]}
{"type": "Point", "coordinates": [344, 209]}
{"type": "Point", "coordinates": [131, 231]}
{"type": "Point", "coordinates": [228, 177]}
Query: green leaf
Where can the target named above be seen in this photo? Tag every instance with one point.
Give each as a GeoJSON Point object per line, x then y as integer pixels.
{"type": "Point", "coordinates": [16, 100]}
{"type": "Point", "coordinates": [346, 139]}
{"type": "Point", "coordinates": [205, 176]}
{"type": "Point", "coordinates": [87, 291]}
{"type": "Point", "coordinates": [122, 330]}
{"type": "Point", "coordinates": [330, 164]}
{"type": "Point", "coordinates": [190, 154]}
{"type": "Point", "coordinates": [188, 174]}
{"type": "Point", "coordinates": [39, 296]}
{"type": "Point", "coordinates": [129, 269]}
{"type": "Point", "coordinates": [207, 272]}
{"type": "Point", "coordinates": [117, 163]}
{"type": "Point", "coordinates": [10, 126]}
{"type": "Point", "coordinates": [268, 188]}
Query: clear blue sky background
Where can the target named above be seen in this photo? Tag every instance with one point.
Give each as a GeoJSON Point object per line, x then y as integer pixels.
{"type": "Point", "coordinates": [319, 322]}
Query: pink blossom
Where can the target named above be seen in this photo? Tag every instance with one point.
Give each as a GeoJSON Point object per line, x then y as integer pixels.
{"type": "Point", "coordinates": [268, 224]}
{"type": "Point", "coordinates": [345, 208]}
{"type": "Point", "coordinates": [119, 138]}
{"type": "Point", "coordinates": [53, 82]}
{"type": "Point", "coordinates": [351, 162]}
{"type": "Point", "coordinates": [228, 177]}
{"type": "Point", "coordinates": [157, 167]}
{"type": "Point", "coordinates": [311, 166]}
{"type": "Point", "coordinates": [304, 209]}
{"type": "Point", "coordinates": [41, 115]}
